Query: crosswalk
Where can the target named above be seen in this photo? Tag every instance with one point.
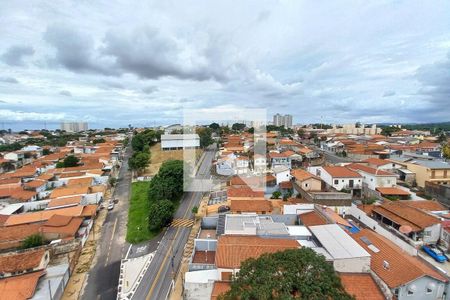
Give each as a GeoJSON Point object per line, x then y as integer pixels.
{"type": "Point", "coordinates": [182, 223]}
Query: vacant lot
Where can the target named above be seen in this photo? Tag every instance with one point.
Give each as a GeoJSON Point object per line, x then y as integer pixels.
{"type": "Point", "coordinates": [158, 157]}
{"type": "Point", "coordinates": [137, 230]}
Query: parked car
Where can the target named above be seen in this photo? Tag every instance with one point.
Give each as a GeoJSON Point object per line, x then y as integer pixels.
{"type": "Point", "coordinates": [116, 200]}
{"type": "Point", "coordinates": [223, 208]}
{"type": "Point", "coordinates": [110, 205]}
{"type": "Point", "coordinates": [435, 253]}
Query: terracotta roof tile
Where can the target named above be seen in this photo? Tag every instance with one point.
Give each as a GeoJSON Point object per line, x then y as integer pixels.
{"type": "Point", "coordinates": [40, 216]}
{"type": "Point", "coordinates": [23, 195]}
{"type": "Point", "coordinates": [233, 250]}
{"type": "Point", "coordinates": [376, 161]}
{"type": "Point", "coordinates": [21, 261]}
{"type": "Point", "coordinates": [34, 184]}
{"type": "Point", "coordinates": [402, 269]}
{"type": "Point", "coordinates": [341, 172]}
{"type": "Point", "coordinates": [312, 218]}
{"type": "Point", "coordinates": [301, 175]}
{"type": "Point", "coordinates": [12, 236]}
{"type": "Point", "coordinates": [392, 191]}
{"type": "Point", "coordinates": [426, 205]}
{"type": "Point", "coordinates": [219, 288]}
{"type": "Point", "coordinates": [204, 257]}
{"type": "Point", "coordinates": [244, 192]}
{"type": "Point", "coordinates": [65, 225]}
{"type": "Point", "coordinates": [369, 170]}
{"type": "Point", "coordinates": [69, 191]}
{"type": "Point", "coordinates": [251, 205]}
{"type": "Point", "coordinates": [361, 286]}
{"type": "Point", "coordinates": [66, 201]}
{"type": "Point", "coordinates": [402, 214]}
{"type": "Point", "coordinates": [20, 287]}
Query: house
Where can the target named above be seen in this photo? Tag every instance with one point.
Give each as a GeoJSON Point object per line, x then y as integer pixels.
{"type": "Point", "coordinates": [408, 221]}
{"type": "Point", "coordinates": [380, 164]}
{"type": "Point", "coordinates": [61, 227]}
{"type": "Point", "coordinates": [400, 274]}
{"type": "Point", "coordinates": [306, 181]}
{"type": "Point", "coordinates": [312, 218]}
{"type": "Point", "coordinates": [16, 263]}
{"type": "Point", "coordinates": [21, 286]}
{"type": "Point", "coordinates": [244, 192]}
{"type": "Point", "coordinates": [259, 164]}
{"type": "Point", "coordinates": [393, 193]}
{"type": "Point", "coordinates": [341, 249]}
{"type": "Point", "coordinates": [253, 224]}
{"type": "Point", "coordinates": [279, 159]}
{"type": "Point", "coordinates": [15, 156]}
{"type": "Point", "coordinates": [241, 165]}
{"type": "Point", "coordinates": [281, 173]}
{"type": "Point", "coordinates": [12, 236]}
{"type": "Point", "coordinates": [260, 207]}
{"type": "Point", "coordinates": [340, 178]}
{"type": "Point", "coordinates": [374, 178]}
{"type": "Point", "coordinates": [434, 171]}
{"type": "Point", "coordinates": [233, 250]}
{"type": "Point", "coordinates": [179, 141]}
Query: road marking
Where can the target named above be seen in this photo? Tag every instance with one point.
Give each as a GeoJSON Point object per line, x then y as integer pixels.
{"type": "Point", "coordinates": [158, 274]}
{"type": "Point", "coordinates": [110, 242]}
{"type": "Point", "coordinates": [182, 223]}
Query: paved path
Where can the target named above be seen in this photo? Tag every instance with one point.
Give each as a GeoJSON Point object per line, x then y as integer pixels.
{"type": "Point", "coordinates": [157, 280]}
{"type": "Point", "coordinates": [103, 277]}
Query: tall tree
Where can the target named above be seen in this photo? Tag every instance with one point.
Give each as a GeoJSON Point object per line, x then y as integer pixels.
{"type": "Point", "coordinates": [168, 183]}
{"type": "Point", "coordinates": [71, 161]}
{"type": "Point", "coordinates": [238, 126]}
{"type": "Point", "coordinates": [139, 161]}
{"type": "Point", "coordinates": [446, 151]}
{"type": "Point", "coordinates": [160, 214]}
{"type": "Point", "coordinates": [291, 274]}
{"type": "Point", "coordinates": [214, 126]}
{"type": "Point", "coordinates": [205, 136]}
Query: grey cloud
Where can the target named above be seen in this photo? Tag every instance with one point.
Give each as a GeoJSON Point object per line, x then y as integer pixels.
{"type": "Point", "coordinates": [150, 89]}
{"type": "Point", "coordinates": [65, 93]}
{"type": "Point", "coordinates": [75, 50]}
{"type": "Point", "coordinates": [112, 84]}
{"type": "Point", "coordinates": [388, 93]}
{"type": "Point", "coordinates": [15, 55]}
{"type": "Point", "coordinates": [435, 79]}
{"type": "Point", "coordinates": [9, 80]}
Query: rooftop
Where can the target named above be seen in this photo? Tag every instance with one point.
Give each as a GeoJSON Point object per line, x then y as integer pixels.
{"type": "Point", "coordinates": [22, 261]}
{"type": "Point", "coordinates": [341, 172]}
{"type": "Point", "coordinates": [233, 250]}
{"type": "Point", "coordinates": [312, 218]}
{"type": "Point", "coordinates": [251, 205]}
{"type": "Point", "coordinates": [20, 287]}
{"type": "Point", "coordinates": [394, 266]}
{"type": "Point", "coordinates": [362, 286]}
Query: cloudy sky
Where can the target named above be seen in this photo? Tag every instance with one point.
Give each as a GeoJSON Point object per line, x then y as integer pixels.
{"type": "Point", "coordinates": [118, 62]}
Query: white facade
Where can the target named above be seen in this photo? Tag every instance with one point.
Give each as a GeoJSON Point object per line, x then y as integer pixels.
{"type": "Point", "coordinates": [282, 174]}
{"type": "Point", "coordinates": [339, 183]}
{"type": "Point", "coordinates": [179, 141]}
{"type": "Point", "coordinates": [373, 181]}
{"type": "Point", "coordinates": [74, 126]}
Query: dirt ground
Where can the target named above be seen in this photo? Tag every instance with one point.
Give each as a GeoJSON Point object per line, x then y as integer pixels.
{"type": "Point", "coordinates": [76, 280]}
{"type": "Point", "coordinates": [158, 157]}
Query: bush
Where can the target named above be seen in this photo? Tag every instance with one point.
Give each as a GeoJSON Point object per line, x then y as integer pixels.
{"type": "Point", "coordinates": [276, 195]}
{"type": "Point", "coordinates": [168, 183]}
{"type": "Point", "coordinates": [32, 241]}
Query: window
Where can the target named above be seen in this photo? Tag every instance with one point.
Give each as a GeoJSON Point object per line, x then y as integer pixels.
{"type": "Point", "coordinates": [427, 233]}
{"type": "Point", "coordinates": [410, 293]}
{"type": "Point", "coordinates": [429, 291]}
{"type": "Point", "coordinates": [389, 182]}
{"type": "Point", "coordinates": [342, 180]}
{"type": "Point", "coordinates": [396, 291]}
{"type": "Point", "coordinates": [336, 181]}
{"type": "Point", "coordinates": [306, 185]}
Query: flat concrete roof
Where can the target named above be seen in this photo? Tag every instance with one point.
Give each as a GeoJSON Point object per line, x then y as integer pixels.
{"type": "Point", "coordinates": [337, 242]}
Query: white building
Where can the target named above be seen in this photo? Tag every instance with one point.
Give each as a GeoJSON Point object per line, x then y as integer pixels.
{"type": "Point", "coordinates": [374, 178]}
{"type": "Point", "coordinates": [179, 141]}
{"type": "Point", "coordinates": [280, 120]}
{"type": "Point", "coordinates": [338, 177]}
{"type": "Point", "coordinates": [281, 173]}
{"type": "Point", "coordinates": [346, 254]}
{"type": "Point", "coordinates": [74, 126]}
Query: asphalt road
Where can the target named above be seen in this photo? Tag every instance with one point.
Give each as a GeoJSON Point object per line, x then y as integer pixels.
{"type": "Point", "coordinates": [157, 280]}
{"type": "Point", "coordinates": [103, 277]}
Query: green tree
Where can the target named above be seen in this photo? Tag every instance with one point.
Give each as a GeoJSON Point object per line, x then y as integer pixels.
{"type": "Point", "coordinates": [31, 241]}
{"type": "Point", "coordinates": [98, 141]}
{"type": "Point", "coordinates": [214, 126]}
{"type": "Point", "coordinates": [7, 166]}
{"type": "Point", "coordinates": [160, 214]}
{"type": "Point", "coordinates": [290, 274]}
{"type": "Point", "coordinates": [446, 151]}
{"type": "Point", "coordinates": [46, 151]}
{"type": "Point", "coordinates": [195, 210]}
{"type": "Point", "coordinates": [71, 161]}
{"type": "Point", "coordinates": [276, 195]}
{"type": "Point", "coordinates": [112, 181]}
{"type": "Point", "coordinates": [301, 133]}
{"type": "Point", "coordinates": [389, 130]}
{"type": "Point", "coordinates": [238, 126]}
{"type": "Point", "coordinates": [168, 183]}
{"type": "Point", "coordinates": [205, 137]}
{"type": "Point", "coordinates": [139, 161]}
{"type": "Point", "coordinates": [137, 143]}
{"type": "Point", "coordinates": [442, 138]}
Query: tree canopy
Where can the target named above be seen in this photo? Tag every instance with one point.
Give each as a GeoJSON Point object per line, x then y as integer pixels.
{"type": "Point", "coordinates": [446, 151]}
{"type": "Point", "coordinates": [290, 274]}
{"type": "Point", "coordinates": [389, 130]}
{"type": "Point", "coordinates": [238, 126]}
{"type": "Point", "coordinates": [205, 136]}
{"type": "Point", "coordinates": [160, 214]}
{"type": "Point", "coordinates": [148, 137]}
{"type": "Point", "coordinates": [139, 161]}
{"type": "Point", "coordinates": [168, 183]}
{"type": "Point", "coordinates": [68, 162]}
{"type": "Point", "coordinates": [214, 126]}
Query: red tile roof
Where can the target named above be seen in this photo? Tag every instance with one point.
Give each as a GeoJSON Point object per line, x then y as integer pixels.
{"type": "Point", "coordinates": [22, 261]}
{"type": "Point", "coordinates": [395, 191]}
{"type": "Point", "coordinates": [369, 170]}
{"type": "Point", "coordinates": [312, 218]}
{"type": "Point", "coordinates": [251, 205]}
{"type": "Point", "coordinates": [233, 250]}
{"type": "Point", "coordinates": [377, 162]}
{"type": "Point", "coordinates": [301, 175]}
{"type": "Point", "coordinates": [244, 192]}
{"type": "Point", "coordinates": [426, 205]}
{"type": "Point", "coordinates": [20, 287]}
{"type": "Point", "coordinates": [341, 172]}
{"type": "Point", "coordinates": [402, 268]}
{"type": "Point", "coordinates": [220, 287]}
{"type": "Point", "coordinates": [362, 286]}
{"type": "Point", "coordinates": [204, 257]}
{"type": "Point", "coordinates": [12, 236]}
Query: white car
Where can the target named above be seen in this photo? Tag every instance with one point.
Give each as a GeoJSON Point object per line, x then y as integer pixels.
{"type": "Point", "coordinates": [110, 205]}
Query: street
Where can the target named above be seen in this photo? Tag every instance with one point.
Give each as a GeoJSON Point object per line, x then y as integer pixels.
{"type": "Point", "coordinates": [103, 277]}
{"type": "Point", "coordinates": [158, 278]}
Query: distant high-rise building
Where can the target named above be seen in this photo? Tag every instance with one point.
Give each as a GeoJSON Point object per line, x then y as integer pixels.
{"type": "Point", "coordinates": [74, 126]}
{"type": "Point", "coordinates": [279, 120]}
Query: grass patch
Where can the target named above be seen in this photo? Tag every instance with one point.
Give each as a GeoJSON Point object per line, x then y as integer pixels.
{"type": "Point", "coordinates": [137, 228]}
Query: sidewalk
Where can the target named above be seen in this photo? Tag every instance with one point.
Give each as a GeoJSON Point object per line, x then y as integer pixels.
{"type": "Point", "coordinates": [131, 272]}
